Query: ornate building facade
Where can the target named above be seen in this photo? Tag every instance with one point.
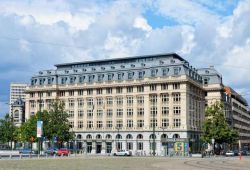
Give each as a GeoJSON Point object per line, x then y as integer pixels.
{"type": "Point", "coordinates": [126, 103]}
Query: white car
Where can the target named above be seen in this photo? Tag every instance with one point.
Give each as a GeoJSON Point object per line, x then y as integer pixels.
{"type": "Point", "coordinates": [122, 153]}
{"type": "Point", "coordinates": [229, 153]}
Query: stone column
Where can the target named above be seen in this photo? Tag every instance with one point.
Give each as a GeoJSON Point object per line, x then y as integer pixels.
{"type": "Point", "coordinates": [103, 151]}
{"type": "Point", "coordinates": [93, 151]}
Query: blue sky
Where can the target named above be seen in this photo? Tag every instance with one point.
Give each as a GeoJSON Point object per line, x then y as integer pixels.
{"type": "Point", "coordinates": [35, 35]}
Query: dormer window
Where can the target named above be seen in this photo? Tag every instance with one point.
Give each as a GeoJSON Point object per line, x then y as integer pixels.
{"type": "Point", "coordinates": [153, 72]}
{"type": "Point", "coordinates": [161, 62]}
{"type": "Point", "coordinates": [103, 68]}
{"type": "Point", "coordinates": [66, 71]}
{"type": "Point", "coordinates": [122, 66]}
{"type": "Point", "coordinates": [141, 74]}
{"type": "Point", "coordinates": [177, 70]}
{"type": "Point", "coordinates": [72, 80]}
{"type": "Point", "coordinates": [130, 75]}
{"type": "Point", "coordinates": [84, 69]}
{"type": "Point", "coordinates": [143, 65]}
{"type": "Point", "coordinates": [205, 81]}
{"type": "Point", "coordinates": [119, 76]}
{"type": "Point", "coordinates": [207, 72]}
{"type": "Point", "coordinates": [172, 61]}
{"type": "Point", "coordinates": [75, 71]}
{"type": "Point", "coordinates": [165, 71]}
{"type": "Point", "coordinates": [93, 69]}
{"type": "Point", "coordinates": [40, 72]}
{"type": "Point", "coordinates": [81, 79]}
{"type": "Point", "coordinates": [110, 77]}
{"type": "Point", "coordinates": [132, 65]}
{"type": "Point", "coordinates": [112, 67]}
{"type": "Point", "coordinates": [100, 77]}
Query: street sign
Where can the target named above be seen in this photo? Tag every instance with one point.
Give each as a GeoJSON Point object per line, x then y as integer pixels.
{"type": "Point", "coordinates": [39, 129]}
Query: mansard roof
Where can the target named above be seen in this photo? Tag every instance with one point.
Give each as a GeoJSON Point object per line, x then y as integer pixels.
{"type": "Point", "coordinates": [119, 60]}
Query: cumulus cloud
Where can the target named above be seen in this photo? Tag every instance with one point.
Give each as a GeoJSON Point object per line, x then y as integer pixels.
{"type": "Point", "coordinates": [35, 35]}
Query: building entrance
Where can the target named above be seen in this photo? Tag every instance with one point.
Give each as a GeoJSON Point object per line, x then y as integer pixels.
{"type": "Point", "coordinates": [108, 147]}
{"type": "Point", "coordinates": [89, 147]}
{"type": "Point", "coordinates": [98, 147]}
{"type": "Point", "coordinates": [165, 148]}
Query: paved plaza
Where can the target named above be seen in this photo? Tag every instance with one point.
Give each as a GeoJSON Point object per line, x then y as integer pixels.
{"type": "Point", "coordinates": [126, 163]}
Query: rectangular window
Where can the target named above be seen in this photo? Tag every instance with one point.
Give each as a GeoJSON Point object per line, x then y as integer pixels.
{"type": "Point", "coordinates": [89, 124]}
{"type": "Point", "coordinates": [165, 111]}
{"type": "Point", "coordinates": [119, 76]}
{"type": "Point", "coordinates": [153, 72]}
{"type": "Point", "coordinates": [80, 124]}
{"type": "Point", "coordinates": [99, 124]}
{"type": "Point", "coordinates": [140, 88]}
{"type": "Point", "coordinates": [119, 124]}
{"type": "Point", "coordinates": [177, 110]}
{"type": "Point", "coordinates": [140, 123]}
{"type": "Point", "coordinates": [129, 89]}
{"type": "Point", "coordinates": [153, 123]}
{"type": "Point", "coordinates": [130, 75]}
{"type": "Point", "coordinates": [80, 92]}
{"type": "Point", "coordinates": [71, 103]}
{"type": "Point", "coordinates": [140, 146]}
{"type": "Point", "coordinates": [108, 90]}
{"type": "Point", "coordinates": [90, 102]}
{"type": "Point", "coordinates": [80, 113]}
{"type": "Point", "coordinates": [71, 93]}
{"type": "Point", "coordinates": [89, 114]}
{"type": "Point", "coordinates": [140, 112]}
{"type": "Point", "coordinates": [176, 98]}
{"type": "Point", "coordinates": [109, 124]}
{"type": "Point", "coordinates": [165, 123]}
{"type": "Point", "coordinates": [109, 101]}
{"type": "Point", "coordinates": [140, 100]}
{"type": "Point", "coordinates": [164, 86]}
{"type": "Point", "coordinates": [119, 113]}
{"type": "Point", "coordinates": [99, 101]}
{"type": "Point", "coordinates": [119, 101]}
{"type": "Point", "coordinates": [177, 123]}
{"type": "Point", "coordinates": [71, 114]}
{"type": "Point", "coordinates": [129, 146]}
{"type": "Point", "coordinates": [129, 112]}
{"type": "Point", "coordinates": [165, 98]}
{"type": "Point", "coordinates": [80, 103]}
{"type": "Point", "coordinates": [119, 90]}
{"type": "Point", "coordinates": [130, 123]}
{"type": "Point", "coordinates": [153, 87]}
{"type": "Point", "coordinates": [153, 99]}
{"type": "Point", "coordinates": [130, 101]}
{"type": "Point", "coordinates": [99, 113]}
{"type": "Point", "coordinates": [176, 86]}
{"type": "Point", "coordinates": [153, 111]}
{"type": "Point", "coordinates": [90, 92]}
{"type": "Point", "coordinates": [141, 74]}
{"type": "Point", "coordinates": [109, 113]}
{"type": "Point", "coordinates": [98, 91]}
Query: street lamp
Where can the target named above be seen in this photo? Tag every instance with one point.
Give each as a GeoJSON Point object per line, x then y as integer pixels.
{"type": "Point", "coordinates": [118, 137]}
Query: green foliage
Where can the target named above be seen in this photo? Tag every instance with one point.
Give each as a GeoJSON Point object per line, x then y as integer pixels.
{"type": "Point", "coordinates": [7, 129]}
{"type": "Point", "coordinates": [216, 127]}
{"type": "Point", "coordinates": [55, 124]}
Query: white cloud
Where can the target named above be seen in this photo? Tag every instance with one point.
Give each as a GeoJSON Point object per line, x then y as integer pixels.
{"type": "Point", "coordinates": [142, 23]}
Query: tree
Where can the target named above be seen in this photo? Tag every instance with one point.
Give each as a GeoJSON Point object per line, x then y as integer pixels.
{"type": "Point", "coordinates": [7, 129]}
{"type": "Point", "coordinates": [216, 127]}
{"type": "Point", "coordinates": [58, 123]}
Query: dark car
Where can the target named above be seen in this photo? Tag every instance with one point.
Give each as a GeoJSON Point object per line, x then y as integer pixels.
{"type": "Point", "coordinates": [26, 151]}
{"type": "Point", "coordinates": [63, 152]}
{"type": "Point", "coordinates": [51, 151]}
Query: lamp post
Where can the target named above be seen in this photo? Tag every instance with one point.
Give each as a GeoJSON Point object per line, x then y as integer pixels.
{"type": "Point", "coordinates": [154, 136]}
{"type": "Point", "coordinates": [117, 144]}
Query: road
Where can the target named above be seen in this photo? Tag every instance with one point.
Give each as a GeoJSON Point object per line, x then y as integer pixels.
{"type": "Point", "coordinates": [126, 163]}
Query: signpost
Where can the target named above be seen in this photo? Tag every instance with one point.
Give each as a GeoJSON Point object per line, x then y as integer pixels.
{"type": "Point", "coordinates": [39, 133]}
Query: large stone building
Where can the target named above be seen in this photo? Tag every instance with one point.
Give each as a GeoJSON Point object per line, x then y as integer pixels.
{"type": "Point", "coordinates": [126, 103]}
{"type": "Point", "coordinates": [17, 100]}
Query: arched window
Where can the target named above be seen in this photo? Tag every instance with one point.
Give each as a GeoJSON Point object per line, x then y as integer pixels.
{"type": "Point", "coordinates": [129, 136]}
{"type": "Point", "coordinates": [108, 136]}
{"type": "Point", "coordinates": [98, 136]}
{"type": "Point", "coordinates": [79, 136]}
{"type": "Point", "coordinates": [139, 136]}
{"type": "Point", "coordinates": [164, 136]}
{"type": "Point", "coordinates": [88, 136]}
{"type": "Point", "coordinates": [118, 136]}
{"type": "Point", "coordinates": [152, 136]}
{"type": "Point", "coordinates": [176, 136]}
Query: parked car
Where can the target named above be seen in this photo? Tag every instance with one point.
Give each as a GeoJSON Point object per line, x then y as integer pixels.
{"type": "Point", "coordinates": [63, 152]}
{"type": "Point", "coordinates": [26, 151]}
{"type": "Point", "coordinates": [229, 153]}
{"type": "Point", "coordinates": [122, 153]}
{"type": "Point", "coordinates": [51, 151]}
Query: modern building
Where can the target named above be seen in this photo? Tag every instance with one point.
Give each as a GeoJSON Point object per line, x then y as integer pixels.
{"type": "Point", "coordinates": [137, 103]}
{"type": "Point", "coordinates": [16, 104]}
{"type": "Point", "coordinates": [241, 118]}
